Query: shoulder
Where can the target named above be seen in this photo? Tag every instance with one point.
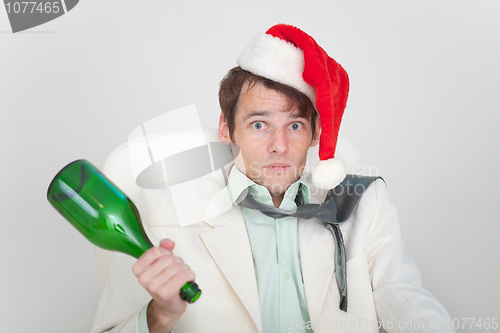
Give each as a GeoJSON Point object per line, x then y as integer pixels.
{"type": "Point", "coordinates": [367, 222]}
{"type": "Point", "coordinates": [374, 194]}
{"type": "Point", "coordinates": [357, 195]}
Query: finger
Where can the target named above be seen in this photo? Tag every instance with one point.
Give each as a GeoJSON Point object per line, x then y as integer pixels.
{"type": "Point", "coordinates": [148, 258]}
{"type": "Point", "coordinates": [156, 268]}
{"type": "Point", "coordinates": [170, 289]}
{"type": "Point", "coordinates": [167, 244]}
{"type": "Point", "coordinates": [165, 276]}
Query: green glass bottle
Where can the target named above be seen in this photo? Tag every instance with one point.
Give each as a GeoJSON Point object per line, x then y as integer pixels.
{"type": "Point", "coordinates": [101, 212]}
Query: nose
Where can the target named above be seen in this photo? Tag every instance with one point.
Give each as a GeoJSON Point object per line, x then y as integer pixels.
{"type": "Point", "coordinates": [278, 142]}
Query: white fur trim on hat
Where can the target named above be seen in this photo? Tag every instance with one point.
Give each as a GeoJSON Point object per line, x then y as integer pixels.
{"type": "Point", "coordinates": [329, 173]}
{"type": "Point", "coordinates": [278, 60]}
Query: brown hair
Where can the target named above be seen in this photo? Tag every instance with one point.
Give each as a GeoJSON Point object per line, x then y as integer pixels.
{"type": "Point", "coordinates": [236, 78]}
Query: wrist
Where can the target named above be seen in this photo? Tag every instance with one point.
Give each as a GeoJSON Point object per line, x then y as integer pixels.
{"type": "Point", "coordinates": [160, 320]}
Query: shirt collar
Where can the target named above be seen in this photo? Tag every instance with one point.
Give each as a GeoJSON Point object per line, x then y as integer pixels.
{"type": "Point", "coordinates": [239, 184]}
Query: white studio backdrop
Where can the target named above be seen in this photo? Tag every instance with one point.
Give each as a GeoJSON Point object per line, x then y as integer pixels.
{"type": "Point", "coordinates": [423, 111]}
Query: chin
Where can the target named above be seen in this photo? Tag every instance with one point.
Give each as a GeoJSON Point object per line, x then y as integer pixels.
{"type": "Point", "coordinates": [278, 187]}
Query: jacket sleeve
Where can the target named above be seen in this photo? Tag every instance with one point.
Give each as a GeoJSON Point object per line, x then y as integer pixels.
{"type": "Point", "coordinates": [121, 300]}
{"type": "Point", "coordinates": [401, 302]}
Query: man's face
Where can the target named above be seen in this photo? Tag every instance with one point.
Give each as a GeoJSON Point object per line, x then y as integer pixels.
{"type": "Point", "coordinates": [272, 138]}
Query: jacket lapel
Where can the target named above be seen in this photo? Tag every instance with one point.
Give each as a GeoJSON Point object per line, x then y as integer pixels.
{"type": "Point", "coordinates": [229, 246]}
{"type": "Point", "coordinates": [317, 249]}
{"type": "Point", "coordinates": [228, 243]}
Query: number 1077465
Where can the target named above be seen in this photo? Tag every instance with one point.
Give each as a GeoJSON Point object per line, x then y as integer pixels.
{"type": "Point", "coordinates": [33, 7]}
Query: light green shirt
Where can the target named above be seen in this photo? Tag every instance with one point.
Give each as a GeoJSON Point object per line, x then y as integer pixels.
{"type": "Point", "coordinates": [142, 322]}
{"type": "Point", "coordinates": [276, 255]}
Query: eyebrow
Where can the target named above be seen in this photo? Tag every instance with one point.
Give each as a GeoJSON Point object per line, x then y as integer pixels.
{"type": "Point", "coordinates": [257, 114]}
{"type": "Point", "coordinates": [293, 115]}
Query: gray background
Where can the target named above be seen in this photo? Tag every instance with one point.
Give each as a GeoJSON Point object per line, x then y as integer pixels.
{"type": "Point", "coordinates": [423, 110]}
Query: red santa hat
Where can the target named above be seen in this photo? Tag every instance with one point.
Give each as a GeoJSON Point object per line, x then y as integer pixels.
{"type": "Point", "coordinates": [288, 55]}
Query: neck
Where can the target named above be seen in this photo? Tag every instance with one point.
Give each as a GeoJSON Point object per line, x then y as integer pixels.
{"type": "Point", "coordinates": [277, 199]}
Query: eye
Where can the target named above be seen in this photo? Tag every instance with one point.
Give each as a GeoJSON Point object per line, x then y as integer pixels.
{"type": "Point", "coordinates": [258, 125]}
{"type": "Point", "coordinates": [295, 126]}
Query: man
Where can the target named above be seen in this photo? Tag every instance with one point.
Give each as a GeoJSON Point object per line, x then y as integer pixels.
{"type": "Point", "coordinates": [260, 272]}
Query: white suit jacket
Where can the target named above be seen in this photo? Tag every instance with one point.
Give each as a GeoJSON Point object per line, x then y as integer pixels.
{"type": "Point", "coordinates": [384, 284]}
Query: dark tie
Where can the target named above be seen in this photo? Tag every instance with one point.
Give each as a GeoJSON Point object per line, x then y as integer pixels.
{"type": "Point", "coordinates": [339, 204]}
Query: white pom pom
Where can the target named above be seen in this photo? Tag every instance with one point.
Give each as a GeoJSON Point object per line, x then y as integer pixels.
{"type": "Point", "coordinates": [328, 174]}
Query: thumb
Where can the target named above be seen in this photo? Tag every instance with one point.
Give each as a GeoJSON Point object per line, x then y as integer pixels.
{"type": "Point", "coordinates": [167, 244]}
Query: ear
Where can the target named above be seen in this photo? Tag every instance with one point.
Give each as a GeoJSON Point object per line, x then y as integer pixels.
{"type": "Point", "coordinates": [223, 130]}
{"type": "Point", "coordinates": [315, 138]}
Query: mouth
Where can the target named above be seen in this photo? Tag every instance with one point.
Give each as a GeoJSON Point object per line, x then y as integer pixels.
{"type": "Point", "coordinates": [277, 166]}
